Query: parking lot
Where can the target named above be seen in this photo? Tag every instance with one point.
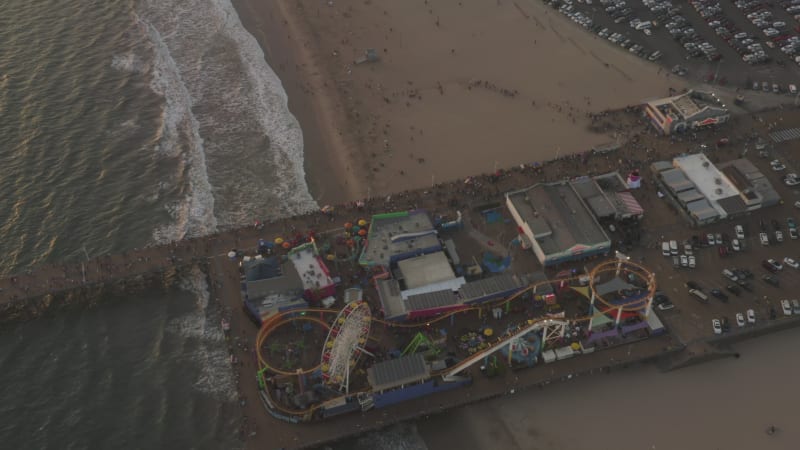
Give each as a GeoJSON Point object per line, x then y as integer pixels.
{"type": "Point", "coordinates": [744, 44]}
{"type": "Point", "coordinates": [692, 317]}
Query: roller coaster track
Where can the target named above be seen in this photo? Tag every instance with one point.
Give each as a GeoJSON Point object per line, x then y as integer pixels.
{"type": "Point", "coordinates": [283, 318]}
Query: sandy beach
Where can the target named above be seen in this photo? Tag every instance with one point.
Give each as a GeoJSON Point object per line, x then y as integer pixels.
{"type": "Point", "coordinates": [460, 87]}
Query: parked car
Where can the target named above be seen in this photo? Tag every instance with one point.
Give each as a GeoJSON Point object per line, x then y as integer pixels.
{"type": "Point", "coordinates": [769, 266]}
{"type": "Point", "coordinates": [775, 264]}
{"type": "Point", "coordinates": [692, 262]}
{"type": "Point", "coordinates": [786, 307]}
{"type": "Point", "coordinates": [726, 325]}
{"type": "Point", "coordinates": [764, 238]}
{"type": "Point", "coordinates": [717, 326]}
{"type": "Point", "coordinates": [684, 261]}
{"type": "Point", "coordinates": [719, 294]}
{"type": "Point", "coordinates": [779, 236]}
{"type": "Point", "coordinates": [751, 316]}
{"type": "Point", "coordinates": [795, 306]}
{"type": "Point", "coordinates": [729, 275]}
{"type": "Point", "coordinates": [740, 319]}
{"type": "Point", "coordinates": [743, 273]}
{"type": "Point", "coordinates": [673, 247]}
{"type": "Point", "coordinates": [699, 296]}
{"type": "Point", "coordinates": [710, 239]}
{"type": "Point", "coordinates": [739, 232]}
{"type": "Point", "coordinates": [793, 233]}
{"type": "Point", "coordinates": [769, 279]}
{"type": "Point", "coordinates": [734, 289]}
{"type": "Point", "coordinates": [791, 263]}
{"type": "Point", "coordinates": [736, 246]}
{"type": "Point", "coordinates": [665, 306]}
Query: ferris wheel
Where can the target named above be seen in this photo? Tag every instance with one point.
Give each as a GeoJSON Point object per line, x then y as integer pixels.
{"type": "Point", "coordinates": [345, 344]}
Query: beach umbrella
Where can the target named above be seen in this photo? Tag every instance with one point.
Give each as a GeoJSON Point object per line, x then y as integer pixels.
{"type": "Point", "coordinates": [350, 243]}
{"type": "Point", "coordinates": [279, 240]}
{"type": "Point", "coordinates": [362, 232]}
{"type": "Point", "coordinates": [355, 229]}
{"type": "Point", "coordinates": [348, 225]}
{"type": "Point", "coordinates": [357, 238]}
{"type": "Point", "coordinates": [488, 332]}
{"type": "Point", "coordinates": [330, 257]}
{"type": "Point", "coordinates": [286, 244]}
{"type": "Point", "coordinates": [362, 222]}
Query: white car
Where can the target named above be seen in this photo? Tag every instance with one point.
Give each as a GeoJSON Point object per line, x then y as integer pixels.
{"type": "Point", "coordinates": [786, 306]}
{"type": "Point", "coordinates": [739, 232]}
{"type": "Point", "coordinates": [791, 179]}
{"type": "Point", "coordinates": [740, 319]}
{"type": "Point", "coordinates": [717, 326]}
{"type": "Point", "coordinates": [692, 262]}
{"type": "Point", "coordinates": [775, 264]}
{"type": "Point", "coordinates": [777, 166]}
{"type": "Point", "coordinates": [736, 246]}
{"type": "Point", "coordinates": [751, 316]}
{"type": "Point", "coordinates": [791, 263]}
{"type": "Point", "coordinates": [779, 236]}
{"type": "Point", "coordinates": [710, 238]}
{"type": "Point", "coordinates": [764, 238]}
{"type": "Point", "coordinates": [797, 204]}
{"type": "Point", "coordinates": [684, 261]}
{"type": "Point", "coordinates": [793, 233]}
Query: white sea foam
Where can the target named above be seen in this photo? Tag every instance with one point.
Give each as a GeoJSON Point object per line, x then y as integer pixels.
{"type": "Point", "coordinates": [271, 107]}
{"type": "Point", "coordinates": [217, 84]}
{"type": "Point", "coordinates": [203, 327]}
{"type": "Point", "coordinates": [180, 137]}
{"type": "Point", "coordinates": [130, 62]}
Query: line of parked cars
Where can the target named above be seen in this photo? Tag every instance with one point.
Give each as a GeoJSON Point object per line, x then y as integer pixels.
{"type": "Point", "coordinates": [722, 326]}
{"type": "Point", "coordinates": [777, 32]}
{"type": "Point", "coordinates": [621, 11]}
{"type": "Point", "coordinates": [685, 260]}
{"type": "Point", "coordinates": [764, 237]}
{"type": "Point", "coordinates": [790, 307]}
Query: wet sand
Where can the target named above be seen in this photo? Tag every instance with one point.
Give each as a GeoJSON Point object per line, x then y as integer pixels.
{"type": "Point", "coordinates": [460, 88]}
{"type": "Point", "coordinates": [727, 404]}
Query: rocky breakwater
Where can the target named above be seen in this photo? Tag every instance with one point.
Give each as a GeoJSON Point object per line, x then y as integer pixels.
{"type": "Point", "coordinates": [30, 294]}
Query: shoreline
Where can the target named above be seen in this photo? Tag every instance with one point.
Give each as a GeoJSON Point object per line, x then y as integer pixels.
{"type": "Point", "coordinates": [278, 34]}
{"type": "Point", "coordinates": [359, 139]}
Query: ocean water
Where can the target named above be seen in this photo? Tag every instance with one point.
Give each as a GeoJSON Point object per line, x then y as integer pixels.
{"type": "Point", "coordinates": [125, 123]}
